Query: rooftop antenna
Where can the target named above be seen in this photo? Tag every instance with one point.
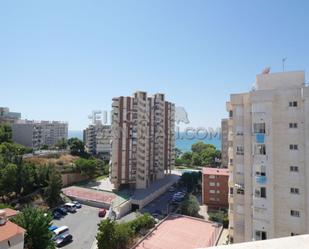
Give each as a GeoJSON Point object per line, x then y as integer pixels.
{"type": "Point", "coordinates": [283, 63]}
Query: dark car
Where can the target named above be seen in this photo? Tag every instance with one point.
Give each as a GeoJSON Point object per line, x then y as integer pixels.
{"type": "Point", "coordinates": [61, 210]}
{"type": "Point", "coordinates": [57, 215]}
{"type": "Point", "coordinates": [63, 240]}
{"type": "Point", "coordinates": [102, 212]}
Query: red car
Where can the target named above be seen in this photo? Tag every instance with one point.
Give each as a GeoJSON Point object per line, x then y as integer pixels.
{"type": "Point", "coordinates": [102, 212]}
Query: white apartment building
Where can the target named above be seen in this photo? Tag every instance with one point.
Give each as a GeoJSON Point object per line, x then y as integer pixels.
{"type": "Point", "coordinates": [35, 134]}
{"type": "Point", "coordinates": [97, 140]}
{"type": "Point", "coordinates": [6, 116]}
{"type": "Point", "coordinates": [269, 158]}
{"type": "Point", "coordinates": [143, 139]}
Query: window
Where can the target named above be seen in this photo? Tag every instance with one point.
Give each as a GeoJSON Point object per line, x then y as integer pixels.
{"type": "Point", "coordinates": [240, 191]}
{"type": "Point", "coordinates": [293, 147]}
{"type": "Point", "coordinates": [230, 114]}
{"type": "Point", "coordinates": [294, 234]}
{"type": "Point", "coordinates": [218, 184]}
{"type": "Point", "coordinates": [212, 191]}
{"type": "Point", "coordinates": [293, 104]}
{"type": "Point", "coordinates": [212, 199]}
{"type": "Point", "coordinates": [260, 235]}
{"type": "Point", "coordinates": [231, 191]}
{"type": "Point", "coordinates": [218, 191]}
{"type": "Point", "coordinates": [261, 171]}
{"type": "Point", "coordinates": [260, 149]}
{"type": "Point", "coordinates": [295, 213]}
{"type": "Point", "coordinates": [212, 176]}
{"type": "Point", "coordinates": [294, 190]}
{"type": "Point", "coordinates": [293, 125]}
{"type": "Point", "coordinates": [212, 184]}
{"type": "Point", "coordinates": [259, 128]}
{"type": "Point", "coordinates": [261, 192]}
{"type": "Point", "coordinates": [239, 150]}
{"type": "Point", "coordinates": [294, 168]}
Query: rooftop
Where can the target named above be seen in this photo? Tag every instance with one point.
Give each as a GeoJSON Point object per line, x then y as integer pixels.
{"type": "Point", "coordinates": [181, 232]}
{"type": "Point", "coordinates": [215, 171]}
{"type": "Point", "coordinates": [297, 242]}
{"type": "Point", "coordinates": [9, 230]}
{"type": "Point", "coordinates": [10, 212]}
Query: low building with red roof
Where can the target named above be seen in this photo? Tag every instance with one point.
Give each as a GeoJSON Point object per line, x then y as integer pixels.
{"type": "Point", "coordinates": [181, 232]}
{"type": "Point", "coordinates": [11, 235]}
{"type": "Point", "coordinates": [215, 189]}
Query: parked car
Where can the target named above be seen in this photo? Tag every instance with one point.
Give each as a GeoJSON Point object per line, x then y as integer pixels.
{"type": "Point", "coordinates": [172, 189]}
{"type": "Point", "coordinates": [102, 212]}
{"type": "Point", "coordinates": [77, 204]}
{"type": "Point", "coordinates": [70, 207]}
{"type": "Point", "coordinates": [57, 215]}
{"type": "Point", "coordinates": [63, 240]}
{"type": "Point", "coordinates": [52, 228]}
{"type": "Point", "coordinates": [61, 210]}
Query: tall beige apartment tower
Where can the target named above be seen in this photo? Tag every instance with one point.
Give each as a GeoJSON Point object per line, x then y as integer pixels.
{"type": "Point", "coordinates": [269, 158]}
{"type": "Point", "coordinates": [224, 143]}
{"type": "Point", "coordinates": [143, 139]}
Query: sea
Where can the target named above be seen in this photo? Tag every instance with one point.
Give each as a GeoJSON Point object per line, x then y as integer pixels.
{"type": "Point", "coordinates": [183, 142]}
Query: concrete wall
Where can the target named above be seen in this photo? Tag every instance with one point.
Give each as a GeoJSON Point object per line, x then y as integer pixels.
{"type": "Point", "coordinates": [70, 178]}
{"type": "Point", "coordinates": [17, 242]}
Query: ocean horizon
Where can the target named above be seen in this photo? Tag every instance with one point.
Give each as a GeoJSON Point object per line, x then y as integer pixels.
{"type": "Point", "coordinates": [182, 143]}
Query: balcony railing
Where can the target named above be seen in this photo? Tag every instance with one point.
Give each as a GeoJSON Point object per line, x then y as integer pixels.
{"type": "Point", "coordinates": [261, 179]}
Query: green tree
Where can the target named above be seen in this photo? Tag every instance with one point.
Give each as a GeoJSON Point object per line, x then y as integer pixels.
{"type": "Point", "coordinates": [62, 144]}
{"type": "Point", "coordinates": [5, 133]}
{"type": "Point", "coordinates": [106, 235]}
{"type": "Point", "coordinates": [190, 206]}
{"type": "Point", "coordinates": [191, 180]}
{"type": "Point", "coordinates": [77, 147]}
{"type": "Point", "coordinates": [26, 173]}
{"type": "Point", "coordinates": [87, 167]}
{"type": "Point", "coordinates": [196, 159]}
{"type": "Point", "coordinates": [187, 158]}
{"type": "Point", "coordinates": [53, 190]}
{"type": "Point", "coordinates": [36, 224]}
{"type": "Point", "coordinates": [8, 180]}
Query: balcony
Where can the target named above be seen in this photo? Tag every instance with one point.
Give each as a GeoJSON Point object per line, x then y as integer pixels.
{"type": "Point", "coordinates": [261, 179]}
{"type": "Point", "coordinates": [260, 138]}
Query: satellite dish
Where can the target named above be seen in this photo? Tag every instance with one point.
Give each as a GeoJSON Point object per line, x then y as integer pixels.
{"type": "Point", "coordinates": [266, 70]}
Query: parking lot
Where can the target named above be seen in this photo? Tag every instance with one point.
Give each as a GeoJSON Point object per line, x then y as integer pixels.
{"type": "Point", "coordinates": [82, 225]}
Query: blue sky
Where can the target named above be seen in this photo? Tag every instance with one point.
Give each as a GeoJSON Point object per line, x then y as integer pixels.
{"type": "Point", "coordinates": [59, 60]}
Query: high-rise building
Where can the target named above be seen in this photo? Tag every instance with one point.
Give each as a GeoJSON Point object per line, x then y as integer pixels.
{"type": "Point", "coordinates": [97, 140]}
{"type": "Point", "coordinates": [269, 158]}
{"type": "Point", "coordinates": [8, 117]}
{"type": "Point", "coordinates": [224, 143]}
{"type": "Point", "coordinates": [36, 134]}
{"type": "Point", "coordinates": [143, 139]}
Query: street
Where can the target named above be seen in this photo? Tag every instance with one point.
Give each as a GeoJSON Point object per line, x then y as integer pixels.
{"type": "Point", "coordinates": [83, 226]}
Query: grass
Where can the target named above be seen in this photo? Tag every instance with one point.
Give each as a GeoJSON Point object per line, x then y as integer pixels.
{"type": "Point", "coordinates": [101, 177]}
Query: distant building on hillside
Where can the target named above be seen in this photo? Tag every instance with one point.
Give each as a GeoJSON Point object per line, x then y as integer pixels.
{"type": "Point", "coordinates": [36, 134]}
{"type": "Point", "coordinates": [143, 140]}
{"type": "Point", "coordinates": [11, 235]}
{"type": "Point", "coordinates": [215, 189]}
{"type": "Point", "coordinates": [97, 140]}
{"type": "Point", "coordinates": [8, 117]}
{"type": "Point", "coordinates": [224, 143]}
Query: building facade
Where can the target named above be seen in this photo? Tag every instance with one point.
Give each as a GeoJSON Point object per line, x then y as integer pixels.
{"type": "Point", "coordinates": [269, 158]}
{"type": "Point", "coordinates": [97, 140]}
{"type": "Point", "coordinates": [215, 188]}
{"type": "Point", "coordinates": [7, 117]}
{"type": "Point", "coordinates": [36, 134]}
{"type": "Point", "coordinates": [11, 235]}
{"type": "Point", "coordinates": [224, 143]}
{"type": "Point", "coordinates": [143, 139]}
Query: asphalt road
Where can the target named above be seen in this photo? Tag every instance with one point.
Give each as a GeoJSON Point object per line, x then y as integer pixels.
{"type": "Point", "coordinates": [82, 225]}
{"type": "Point", "coordinates": [160, 203]}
